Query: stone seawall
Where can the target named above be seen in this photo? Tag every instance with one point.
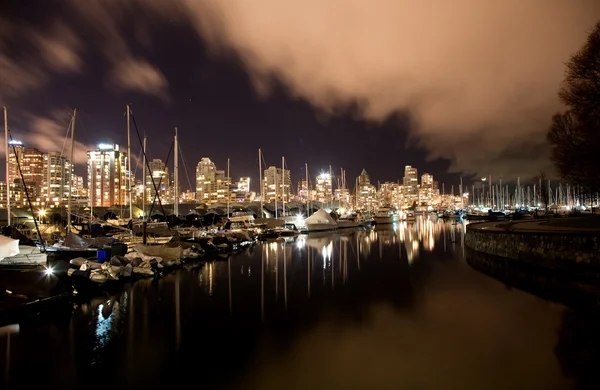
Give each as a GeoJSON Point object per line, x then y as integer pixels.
{"type": "Point", "coordinates": [565, 251]}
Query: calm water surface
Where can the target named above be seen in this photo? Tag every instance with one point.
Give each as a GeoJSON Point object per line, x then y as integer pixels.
{"type": "Point", "coordinates": [397, 307]}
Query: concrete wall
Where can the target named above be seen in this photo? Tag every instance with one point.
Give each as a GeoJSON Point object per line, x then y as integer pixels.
{"type": "Point", "coordinates": [562, 251]}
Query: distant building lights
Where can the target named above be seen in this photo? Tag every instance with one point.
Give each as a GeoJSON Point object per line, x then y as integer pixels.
{"type": "Point", "coordinates": [105, 146]}
{"type": "Point", "coordinates": [14, 142]}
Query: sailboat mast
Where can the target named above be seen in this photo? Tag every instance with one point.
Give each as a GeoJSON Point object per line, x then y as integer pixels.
{"type": "Point", "coordinates": [331, 183]}
{"type": "Point", "coordinates": [228, 187]}
{"type": "Point", "coordinates": [144, 180]}
{"type": "Point", "coordinates": [7, 162]}
{"type": "Point", "coordinates": [176, 175]}
{"type": "Point", "coordinates": [260, 182]}
{"type": "Point", "coordinates": [283, 184]}
{"type": "Point", "coordinates": [129, 167]}
{"type": "Point", "coordinates": [71, 171]}
{"type": "Point", "coordinates": [275, 181]}
{"type": "Point", "coordinates": [307, 188]}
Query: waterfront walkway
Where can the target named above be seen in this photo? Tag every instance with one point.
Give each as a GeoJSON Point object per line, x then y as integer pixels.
{"type": "Point", "coordinates": [581, 225]}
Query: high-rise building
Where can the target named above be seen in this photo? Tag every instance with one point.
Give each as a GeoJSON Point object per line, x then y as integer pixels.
{"type": "Point", "coordinates": [107, 176]}
{"type": "Point", "coordinates": [26, 182]}
{"type": "Point", "coordinates": [366, 194]}
{"type": "Point", "coordinates": [427, 181]}
{"type": "Point", "coordinates": [16, 150]}
{"type": "Point", "coordinates": [277, 184]}
{"type": "Point", "coordinates": [324, 188]}
{"type": "Point", "coordinates": [390, 194]}
{"type": "Point", "coordinates": [57, 176]}
{"type": "Point", "coordinates": [205, 180]}
{"type": "Point", "coordinates": [243, 185]}
{"type": "Point", "coordinates": [426, 192]}
{"type": "Point", "coordinates": [157, 177]}
{"type": "Point", "coordinates": [363, 179]}
{"type": "Point", "coordinates": [33, 171]}
{"type": "Point", "coordinates": [410, 185]}
{"type": "Point", "coordinates": [303, 192]}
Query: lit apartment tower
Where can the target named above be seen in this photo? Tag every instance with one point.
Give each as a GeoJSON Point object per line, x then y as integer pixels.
{"type": "Point", "coordinates": [366, 194]}
{"type": "Point", "coordinates": [243, 185]}
{"type": "Point", "coordinates": [303, 192]}
{"type": "Point", "coordinates": [411, 185]}
{"type": "Point", "coordinates": [33, 171]}
{"type": "Point", "coordinates": [31, 162]}
{"type": "Point", "coordinates": [13, 170]}
{"type": "Point", "coordinates": [158, 175]}
{"type": "Point", "coordinates": [205, 180]}
{"type": "Point", "coordinates": [363, 179]}
{"type": "Point", "coordinates": [79, 189]}
{"type": "Point", "coordinates": [222, 187]}
{"type": "Point", "coordinates": [426, 192]}
{"type": "Point", "coordinates": [276, 183]}
{"type": "Point", "coordinates": [390, 194]}
{"type": "Point", "coordinates": [324, 188]}
{"type": "Point", "coordinates": [107, 176]}
{"type": "Point", "coordinates": [57, 175]}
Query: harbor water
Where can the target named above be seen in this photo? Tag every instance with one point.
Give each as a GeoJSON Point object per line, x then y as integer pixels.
{"type": "Point", "coordinates": [395, 307]}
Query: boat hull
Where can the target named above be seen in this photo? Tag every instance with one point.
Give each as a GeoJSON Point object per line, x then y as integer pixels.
{"type": "Point", "coordinates": [320, 227]}
{"type": "Point", "coordinates": [384, 220]}
{"type": "Point", "coordinates": [347, 224]}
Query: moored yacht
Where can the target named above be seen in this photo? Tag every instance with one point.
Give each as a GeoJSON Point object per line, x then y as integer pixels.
{"type": "Point", "coordinates": [348, 221]}
{"type": "Point", "coordinates": [385, 215]}
{"type": "Point", "coordinates": [320, 221]}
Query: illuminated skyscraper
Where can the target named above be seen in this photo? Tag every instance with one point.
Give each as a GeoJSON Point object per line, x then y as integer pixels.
{"type": "Point", "coordinates": [205, 180]}
{"type": "Point", "coordinates": [158, 176]}
{"type": "Point", "coordinates": [324, 188]}
{"type": "Point", "coordinates": [277, 184]}
{"type": "Point", "coordinates": [107, 176]}
{"type": "Point", "coordinates": [410, 185]}
{"type": "Point", "coordinates": [57, 175]}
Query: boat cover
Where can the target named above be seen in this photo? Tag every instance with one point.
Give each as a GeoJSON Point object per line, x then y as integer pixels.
{"type": "Point", "coordinates": [8, 247]}
{"type": "Point", "coordinates": [162, 251]}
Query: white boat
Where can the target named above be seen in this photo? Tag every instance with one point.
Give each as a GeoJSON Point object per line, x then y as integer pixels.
{"type": "Point", "coordinates": [385, 215]}
{"type": "Point", "coordinates": [348, 221]}
{"type": "Point", "coordinates": [320, 221]}
{"type": "Point", "coordinates": [12, 253]}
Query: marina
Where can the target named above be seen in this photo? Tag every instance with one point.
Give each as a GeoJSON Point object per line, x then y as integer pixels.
{"type": "Point", "coordinates": [281, 303]}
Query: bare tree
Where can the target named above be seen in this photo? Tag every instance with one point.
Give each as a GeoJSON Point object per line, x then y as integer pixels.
{"type": "Point", "coordinates": [575, 135]}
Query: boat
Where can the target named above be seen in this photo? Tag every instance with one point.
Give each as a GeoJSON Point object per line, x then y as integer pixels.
{"type": "Point", "coordinates": [269, 234]}
{"type": "Point", "coordinates": [410, 215]}
{"type": "Point", "coordinates": [287, 230]}
{"type": "Point", "coordinates": [348, 221]}
{"type": "Point", "coordinates": [385, 215]}
{"type": "Point", "coordinates": [320, 221]}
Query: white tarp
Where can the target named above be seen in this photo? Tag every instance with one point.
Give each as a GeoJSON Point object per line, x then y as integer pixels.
{"type": "Point", "coordinates": [8, 247]}
{"type": "Point", "coordinates": [162, 251]}
{"type": "Point", "coordinates": [320, 217]}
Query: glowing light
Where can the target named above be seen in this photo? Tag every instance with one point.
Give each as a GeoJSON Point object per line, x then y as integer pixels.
{"type": "Point", "coordinates": [48, 271]}
{"type": "Point", "coordinates": [105, 146]}
{"type": "Point", "coordinates": [14, 142]}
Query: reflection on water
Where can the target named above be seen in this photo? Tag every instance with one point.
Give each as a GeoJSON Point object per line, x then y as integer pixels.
{"type": "Point", "coordinates": [392, 307]}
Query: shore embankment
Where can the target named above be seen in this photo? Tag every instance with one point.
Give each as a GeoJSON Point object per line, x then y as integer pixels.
{"type": "Point", "coordinates": [567, 247]}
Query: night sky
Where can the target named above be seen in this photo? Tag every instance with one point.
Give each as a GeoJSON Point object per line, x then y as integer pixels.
{"type": "Point", "coordinates": [296, 82]}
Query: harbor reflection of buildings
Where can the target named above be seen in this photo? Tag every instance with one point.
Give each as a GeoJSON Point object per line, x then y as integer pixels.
{"type": "Point", "coordinates": [414, 236]}
{"type": "Point", "coordinates": [323, 257]}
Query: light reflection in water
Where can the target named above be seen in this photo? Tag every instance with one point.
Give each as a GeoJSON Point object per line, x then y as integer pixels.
{"type": "Point", "coordinates": [104, 322]}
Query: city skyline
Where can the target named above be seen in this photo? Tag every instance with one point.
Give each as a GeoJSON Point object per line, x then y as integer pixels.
{"type": "Point", "coordinates": [368, 106]}
{"type": "Point", "coordinates": [41, 180]}
{"type": "Point", "coordinates": [137, 167]}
